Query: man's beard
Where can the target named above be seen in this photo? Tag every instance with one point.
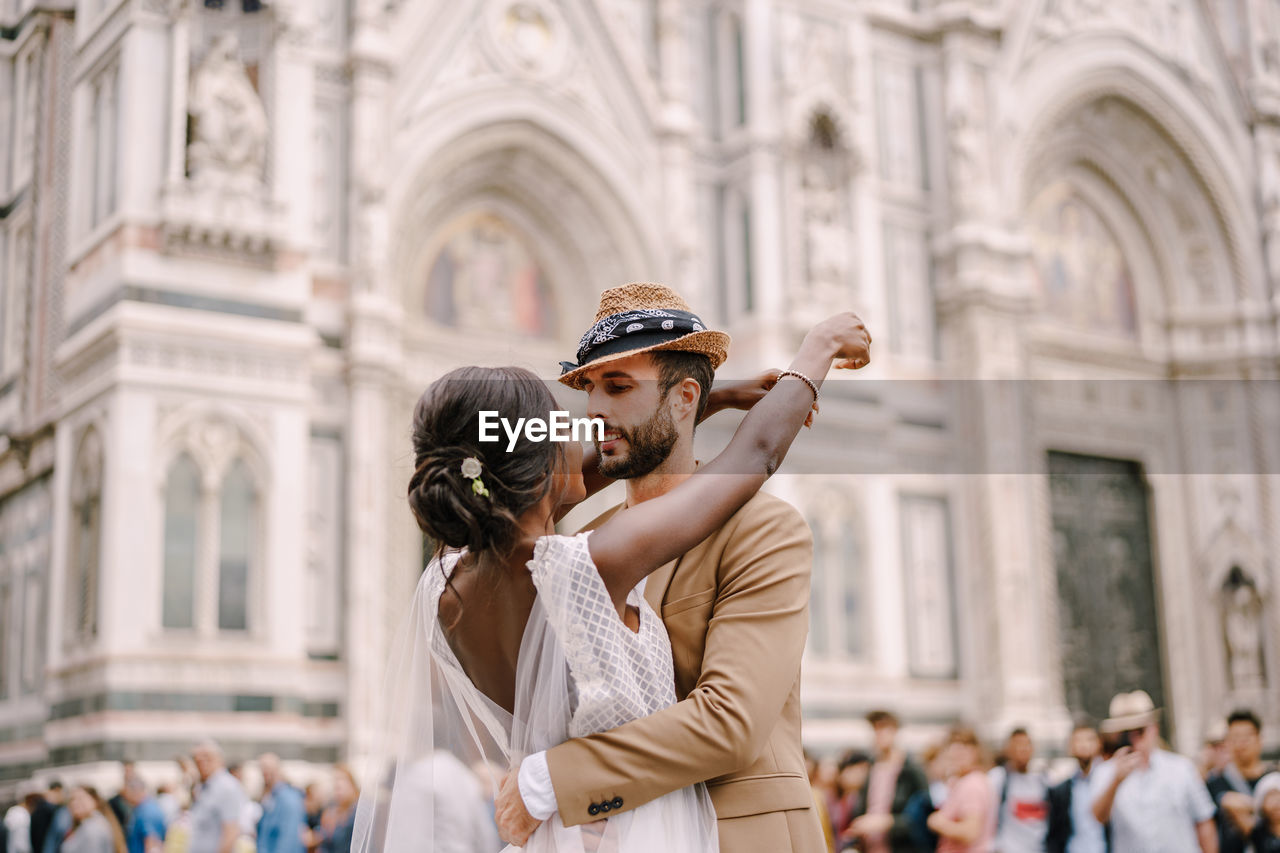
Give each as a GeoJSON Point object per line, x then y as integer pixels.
{"type": "Point", "coordinates": [648, 446]}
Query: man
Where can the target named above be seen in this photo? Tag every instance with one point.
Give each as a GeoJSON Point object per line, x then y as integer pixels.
{"type": "Point", "coordinates": [146, 830]}
{"type": "Point", "coordinates": [120, 803]}
{"type": "Point", "coordinates": [735, 607]}
{"type": "Point", "coordinates": [215, 814]}
{"type": "Point", "coordinates": [283, 815]}
{"type": "Point", "coordinates": [1233, 787]}
{"type": "Point", "coordinates": [1153, 799]}
{"type": "Point", "coordinates": [1072, 826]}
{"type": "Point", "coordinates": [882, 824]}
{"type": "Point", "coordinates": [1022, 807]}
{"type": "Point", "coordinates": [51, 821]}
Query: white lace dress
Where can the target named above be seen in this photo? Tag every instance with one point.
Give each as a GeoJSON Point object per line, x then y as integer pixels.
{"type": "Point", "coordinates": [582, 670]}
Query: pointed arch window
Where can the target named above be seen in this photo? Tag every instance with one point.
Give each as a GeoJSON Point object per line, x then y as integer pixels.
{"type": "Point", "coordinates": [236, 535]}
{"type": "Point", "coordinates": [181, 538]}
{"type": "Point", "coordinates": [838, 609]}
{"type": "Point", "coordinates": [213, 535]}
{"type": "Point", "coordinates": [86, 537]}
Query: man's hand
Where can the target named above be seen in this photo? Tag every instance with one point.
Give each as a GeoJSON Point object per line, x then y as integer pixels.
{"type": "Point", "coordinates": [744, 395]}
{"type": "Point", "coordinates": [936, 822]}
{"type": "Point", "coordinates": [1239, 807]}
{"type": "Point", "coordinates": [1127, 760]}
{"type": "Point", "coordinates": [515, 824]}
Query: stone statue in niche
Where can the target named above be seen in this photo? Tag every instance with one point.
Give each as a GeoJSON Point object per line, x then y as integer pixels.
{"type": "Point", "coordinates": [826, 241]}
{"type": "Point", "coordinates": [229, 124]}
{"type": "Point", "coordinates": [1242, 626]}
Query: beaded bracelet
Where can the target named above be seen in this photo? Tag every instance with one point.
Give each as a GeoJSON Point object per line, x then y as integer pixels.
{"type": "Point", "coordinates": [805, 379]}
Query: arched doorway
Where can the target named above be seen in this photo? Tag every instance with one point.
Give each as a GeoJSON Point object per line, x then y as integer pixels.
{"type": "Point", "coordinates": [1128, 244]}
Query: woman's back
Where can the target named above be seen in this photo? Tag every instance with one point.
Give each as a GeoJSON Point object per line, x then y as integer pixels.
{"type": "Point", "coordinates": [612, 672]}
{"type": "Point", "coordinates": [483, 617]}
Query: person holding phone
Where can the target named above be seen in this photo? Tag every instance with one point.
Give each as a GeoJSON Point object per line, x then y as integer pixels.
{"type": "Point", "coordinates": [1153, 799]}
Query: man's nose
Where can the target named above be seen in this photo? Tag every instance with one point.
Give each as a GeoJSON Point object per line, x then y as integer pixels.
{"type": "Point", "coordinates": [597, 404]}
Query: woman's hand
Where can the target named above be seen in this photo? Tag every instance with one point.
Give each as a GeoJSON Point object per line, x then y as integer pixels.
{"type": "Point", "coordinates": [845, 337]}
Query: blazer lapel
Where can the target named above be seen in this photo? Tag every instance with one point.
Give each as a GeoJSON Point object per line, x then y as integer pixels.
{"type": "Point", "coordinates": [655, 588]}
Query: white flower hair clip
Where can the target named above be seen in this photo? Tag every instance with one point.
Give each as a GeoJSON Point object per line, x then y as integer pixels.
{"type": "Point", "coordinates": [471, 470]}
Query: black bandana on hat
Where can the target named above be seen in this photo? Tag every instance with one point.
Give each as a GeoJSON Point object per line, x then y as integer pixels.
{"type": "Point", "coordinates": [633, 330]}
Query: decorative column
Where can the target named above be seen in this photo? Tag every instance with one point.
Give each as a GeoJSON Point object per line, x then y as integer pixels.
{"type": "Point", "coordinates": [372, 350]}
{"type": "Point", "coordinates": [179, 74]}
{"type": "Point", "coordinates": [983, 302]}
{"type": "Point", "coordinates": [769, 337]}
{"type": "Point", "coordinates": [675, 138]}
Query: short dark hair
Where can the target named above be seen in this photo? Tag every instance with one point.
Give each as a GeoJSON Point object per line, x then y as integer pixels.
{"type": "Point", "coordinates": [1245, 715]}
{"type": "Point", "coordinates": [675, 366]}
{"type": "Point", "coordinates": [1020, 730]}
{"type": "Point", "coordinates": [852, 757]}
{"type": "Point", "coordinates": [55, 785]}
{"type": "Point", "coordinates": [880, 717]}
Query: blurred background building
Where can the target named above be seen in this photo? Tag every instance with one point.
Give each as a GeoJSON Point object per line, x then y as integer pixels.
{"type": "Point", "coordinates": [238, 238]}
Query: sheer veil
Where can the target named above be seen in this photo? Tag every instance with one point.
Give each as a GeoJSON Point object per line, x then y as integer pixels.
{"type": "Point", "coordinates": [442, 746]}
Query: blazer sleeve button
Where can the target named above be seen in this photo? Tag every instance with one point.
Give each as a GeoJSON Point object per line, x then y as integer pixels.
{"type": "Point", "coordinates": [604, 807]}
{"type": "Point", "coordinates": [593, 810]}
{"type": "Point", "coordinates": [617, 802]}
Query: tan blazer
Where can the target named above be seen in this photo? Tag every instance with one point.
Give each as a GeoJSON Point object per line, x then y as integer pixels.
{"type": "Point", "coordinates": [737, 610]}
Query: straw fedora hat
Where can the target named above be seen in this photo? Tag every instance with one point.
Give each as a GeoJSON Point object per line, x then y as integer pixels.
{"type": "Point", "coordinates": [1130, 711]}
{"type": "Point", "coordinates": [637, 318]}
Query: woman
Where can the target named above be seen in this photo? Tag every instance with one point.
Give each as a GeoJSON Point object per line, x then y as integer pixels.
{"type": "Point", "coordinates": [93, 827]}
{"type": "Point", "coordinates": [333, 834]}
{"type": "Point", "coordinates": [522, 638]}
{"type": "Point", "coordinates": [846, 800]}
{"type": "Point", "coordinates": [965, 820]}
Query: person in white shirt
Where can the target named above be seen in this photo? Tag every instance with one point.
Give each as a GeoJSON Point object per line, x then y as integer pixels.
{"type": "Point", "coordinates": [1022, 798]}
{"type": "Point", "coordinates": [18, 823]}
{"type": "Point", "coordinates": [1154, 800]}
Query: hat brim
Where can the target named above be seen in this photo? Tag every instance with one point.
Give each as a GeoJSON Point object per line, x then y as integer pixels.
{"type": "Point", "coordinates": [1129, 722]}
{"type": "Point", "coordinates": [714, 345]}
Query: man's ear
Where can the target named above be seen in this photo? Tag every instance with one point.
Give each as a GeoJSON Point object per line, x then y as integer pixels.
{"type": "Point", "coordinates": [684, 398]}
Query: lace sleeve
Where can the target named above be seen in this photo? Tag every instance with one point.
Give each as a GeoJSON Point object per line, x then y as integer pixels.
{"type": "Point", "coordinates": [574, 595]}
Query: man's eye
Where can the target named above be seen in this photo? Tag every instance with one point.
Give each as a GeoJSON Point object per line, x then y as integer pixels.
{"type": "Point", "coordinates": [615, 388]}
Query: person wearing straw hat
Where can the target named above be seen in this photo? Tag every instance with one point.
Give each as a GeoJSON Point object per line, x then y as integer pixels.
{"type": "Point", "coordinates": [735, 607]}
{"type": "Point", "coordinates": [1154, 800]}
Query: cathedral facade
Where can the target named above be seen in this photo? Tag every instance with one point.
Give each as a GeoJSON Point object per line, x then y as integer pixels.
{"type": "Point", "coordinates": [239, 237]}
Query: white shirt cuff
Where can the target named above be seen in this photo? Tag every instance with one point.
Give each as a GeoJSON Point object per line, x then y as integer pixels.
{"type": "Point", "coordinates": [535, 786]}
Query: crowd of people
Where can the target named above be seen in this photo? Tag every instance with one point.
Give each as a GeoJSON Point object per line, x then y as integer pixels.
{"type": "Point", "coordinates": [1126, 792]}
{"type": "Point", "coordinates": [211, 811]}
